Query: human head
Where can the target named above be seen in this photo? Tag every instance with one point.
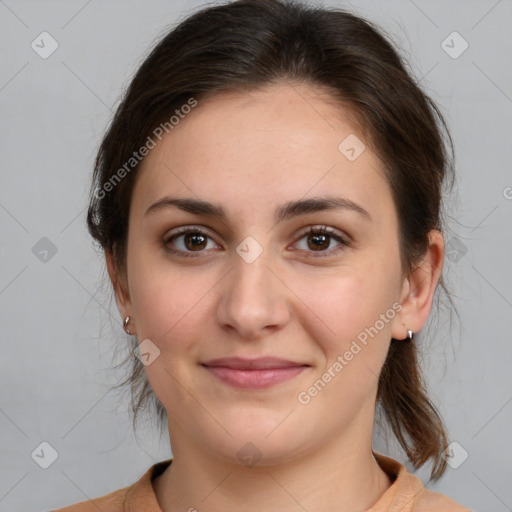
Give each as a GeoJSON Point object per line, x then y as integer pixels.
{"type": "Point", "coordinates": [250, 44]}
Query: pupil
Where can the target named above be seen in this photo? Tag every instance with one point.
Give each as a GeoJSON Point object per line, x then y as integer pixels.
{"type": "Point", "coordinates": [197, 240]}
{"type": "Point", "coordinates": [316, 237]}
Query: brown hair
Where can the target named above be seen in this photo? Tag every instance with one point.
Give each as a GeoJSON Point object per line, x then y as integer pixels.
{"type": "Point", "coordinates": [252, 43]}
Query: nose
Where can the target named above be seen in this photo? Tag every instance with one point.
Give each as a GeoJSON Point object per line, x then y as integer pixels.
{"type": "Point", "coordinates": [253, 299]}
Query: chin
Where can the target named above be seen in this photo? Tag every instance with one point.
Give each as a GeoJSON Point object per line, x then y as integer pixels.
{"type": "Point", "coordinates": [260, 444]}
{"type": "Point", "coordinates": [257, 452]}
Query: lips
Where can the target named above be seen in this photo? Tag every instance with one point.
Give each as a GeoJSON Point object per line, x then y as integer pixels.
{"type": "Point", "coordinates": [261, 363]}
{"type": "Point", "coordinates": [257, 373]}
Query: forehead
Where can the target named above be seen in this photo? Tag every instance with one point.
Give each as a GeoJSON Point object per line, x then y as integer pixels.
{"type": "Point", "coordinates": [259, 147]}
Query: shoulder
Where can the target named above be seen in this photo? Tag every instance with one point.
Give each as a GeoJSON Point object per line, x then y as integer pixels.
{"type": "Point", "coordinates": [430, 500]}
{"type": "Point", "coordinates": [138, 497]}
{"type": "Point", "coordinates": [407, 493]}
{"type": "Point", "coordinates": [113, 502]}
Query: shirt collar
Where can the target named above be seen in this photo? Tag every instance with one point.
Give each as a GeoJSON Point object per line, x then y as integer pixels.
{"type": "Point", "coordinates": [400, 496]}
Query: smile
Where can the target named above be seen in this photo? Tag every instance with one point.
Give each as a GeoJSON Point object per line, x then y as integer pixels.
{"type": "Point", "coordinates": [254, 379]}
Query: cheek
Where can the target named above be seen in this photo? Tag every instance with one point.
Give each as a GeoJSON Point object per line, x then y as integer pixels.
{"type": "Point", "coordinates": [170, 310]}
{"type": "Point", "coordinates": [168, 304]}
{"type": "Point", "coordinates": [354, 333]}
{"type": "Point", "coordinates": [162, 294]}
{"type": "Point", "coordinates": [348, 302]}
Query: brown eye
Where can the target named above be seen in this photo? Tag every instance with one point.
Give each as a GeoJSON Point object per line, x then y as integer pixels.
{"type": "Point", "coordinates": [186, 241]}
{"type": "Point", "coordinates": [318, 239]}
{"type": "Point", "coordinates": [194, 241]}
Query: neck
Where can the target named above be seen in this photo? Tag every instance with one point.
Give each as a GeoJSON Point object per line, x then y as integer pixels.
{"type": "Point", "coordinates": [342, 475]}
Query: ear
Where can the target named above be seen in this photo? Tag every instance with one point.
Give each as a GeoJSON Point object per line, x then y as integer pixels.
{"type": "Point", "coordinates": [119, 284]}
{"type": "Point", "coordinates": [418, 289]}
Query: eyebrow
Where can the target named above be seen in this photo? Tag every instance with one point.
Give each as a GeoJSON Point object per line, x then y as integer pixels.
{"type": "Point", "coordinates": [286, 211]}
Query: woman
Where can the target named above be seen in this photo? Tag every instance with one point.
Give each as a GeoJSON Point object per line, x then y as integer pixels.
{"type": "Point", "coordinates": [268, 197]}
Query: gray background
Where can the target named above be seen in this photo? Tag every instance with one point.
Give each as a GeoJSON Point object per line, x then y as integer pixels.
{"type": "Point", "coordinates": [59, 327]}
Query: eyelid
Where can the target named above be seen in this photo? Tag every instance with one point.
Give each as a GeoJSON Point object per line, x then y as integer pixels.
{"type": "Point", "coordinates": [186, 229]}
{"type": "Point", "coordinates": [183, 230]}
{"type": "Point", "coordinates": [329, 230]}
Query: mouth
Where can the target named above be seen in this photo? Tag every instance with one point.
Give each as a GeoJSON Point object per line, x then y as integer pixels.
{"type": "Point", "coordinates": [263, 372]}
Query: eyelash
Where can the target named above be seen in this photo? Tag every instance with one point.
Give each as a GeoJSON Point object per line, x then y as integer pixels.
{"type": "Point", "coordinates": [313, 230]}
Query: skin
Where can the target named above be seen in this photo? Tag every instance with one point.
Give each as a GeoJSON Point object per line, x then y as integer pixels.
{"type": "Point", "coordinates": [250, 153]}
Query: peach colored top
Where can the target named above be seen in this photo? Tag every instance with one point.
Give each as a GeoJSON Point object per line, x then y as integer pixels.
{"type": "Point", "coordinates": [406, 494]}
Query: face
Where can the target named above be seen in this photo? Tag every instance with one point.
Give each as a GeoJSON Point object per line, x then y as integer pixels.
{"type": "Point", "coordinates": [263, 280]}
